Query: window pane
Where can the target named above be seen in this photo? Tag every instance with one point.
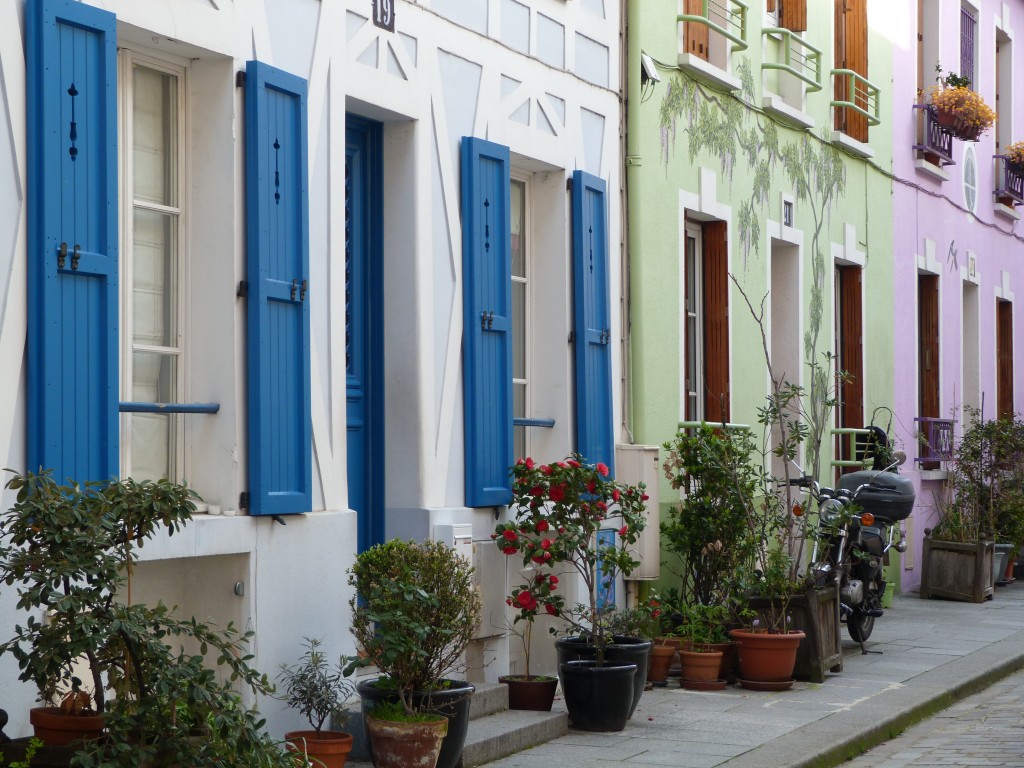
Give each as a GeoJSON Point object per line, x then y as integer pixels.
{"type": "Point", "coordinates": [518, 330]}
{"type": "Point", "coordinates": [519, 411]}
{"type": "Point", "coordinates": [153, 435]}
{"type": "Point", "coordinates": [155, 132]}
{"type": "Point", "coordinates": [518, 217]}
{"type": "Point", "coordinates": [154, 289]}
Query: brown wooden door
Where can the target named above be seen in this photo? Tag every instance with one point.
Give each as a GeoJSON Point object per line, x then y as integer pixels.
{"type": "Point", "coordinates": [1004, 359]}
{"type": "Point", "coordinates": [696, 33]}
{"type": "Point", "coordinates": [928, 344]}
{"type": "Point", "coordinates": [849, 328]}
{"type": "Point", "coordinates": [793, 15]}
{"type": "Point", "coordinates": [716, 322]}
{"type": "Point", "coordinates": [851, 52]}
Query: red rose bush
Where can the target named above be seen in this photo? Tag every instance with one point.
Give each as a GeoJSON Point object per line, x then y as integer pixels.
{"type": "Point", "coordinates": [556, 511]}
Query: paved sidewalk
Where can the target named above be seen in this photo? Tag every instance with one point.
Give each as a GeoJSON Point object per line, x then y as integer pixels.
{"type": "Point", "coordinates": [935, 653]}
{"type": "Point", "coordinates": [986, 729]}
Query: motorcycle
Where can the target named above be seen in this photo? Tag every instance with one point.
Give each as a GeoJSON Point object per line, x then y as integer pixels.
{"type": "Point", "coordinates": [858, 523]}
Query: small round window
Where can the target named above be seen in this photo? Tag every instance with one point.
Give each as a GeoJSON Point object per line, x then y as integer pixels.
{"type": "Point", "coordinates": [970, 179]}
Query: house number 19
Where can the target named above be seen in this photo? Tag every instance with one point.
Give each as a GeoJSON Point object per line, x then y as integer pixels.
{"type": "Point", "coordinates": [384, 14]}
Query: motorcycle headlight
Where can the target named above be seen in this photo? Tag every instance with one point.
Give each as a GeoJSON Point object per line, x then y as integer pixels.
{"type": "Point", "coordinates": [830, 512]}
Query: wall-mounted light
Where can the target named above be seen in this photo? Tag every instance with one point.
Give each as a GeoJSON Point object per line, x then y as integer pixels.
{"type": "Point", "coordinates": [648, 72]}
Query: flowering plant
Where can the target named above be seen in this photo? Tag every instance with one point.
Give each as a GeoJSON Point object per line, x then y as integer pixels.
{"type": "Point", "coordinates": [1015, 154]}
{"type": "Point", "coordinates": [963, 111]}
{"type": "Point", "coordinates": [557, 510]}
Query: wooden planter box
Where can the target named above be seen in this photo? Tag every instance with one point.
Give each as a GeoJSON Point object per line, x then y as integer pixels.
{"type": "Point", "coordinates": [957, 571]}
{"type": "Point", "coordinates": [817, 614]}
{"type": "Point", "coordinates": [46, 757]}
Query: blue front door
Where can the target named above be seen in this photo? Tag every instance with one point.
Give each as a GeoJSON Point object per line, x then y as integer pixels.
{"type": "Point", "coordinates": [364, 298]}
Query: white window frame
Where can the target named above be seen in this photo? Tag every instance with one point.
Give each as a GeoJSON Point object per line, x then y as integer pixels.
{"type": "Point", "coordinates": [525, 324]}
{"type": "Point", "coordinates": [694, 315]}
{"type": "Point", "coordinates": [128, 59]}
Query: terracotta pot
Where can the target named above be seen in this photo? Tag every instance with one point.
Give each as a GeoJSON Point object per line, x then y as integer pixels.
{"type": "Point", "coordinates": [534, 693]}
{"type": "Point", "coordinates": [328, 748]}
{"type": "Point", "coordinates": [766, 657]}
{"type": "Point", "coordinates": [406, 745]}
{"type": "Point", "coordinates": [58, 729]}
{"type": "Point", "coordinates": [661, 660]}
{"type": "Point", "coordinates": [727, 671]}
{"type": "Point", "coordinates": [671, 642]}
{"type": "Point", "coordinates": [700, 666]}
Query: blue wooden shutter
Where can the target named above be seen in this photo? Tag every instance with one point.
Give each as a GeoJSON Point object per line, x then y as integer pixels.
{"type": "Point", "coordinates": [487, 332]}
{"type": "Point", "coordinates": [595, 437]}
{"type": "Point", "coordinates": [277, 233]}
{"type": "Point", "coordinates": [72, 392]}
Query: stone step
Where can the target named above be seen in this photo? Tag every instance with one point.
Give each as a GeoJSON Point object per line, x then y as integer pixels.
{"type": "Point", "coordinates": [505, 733]}
{"type": "Point", "coordinates": [488, 699]}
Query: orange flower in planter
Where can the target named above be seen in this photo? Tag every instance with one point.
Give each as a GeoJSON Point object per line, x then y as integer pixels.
{"type": "Point", "coordinates": [962, 111]}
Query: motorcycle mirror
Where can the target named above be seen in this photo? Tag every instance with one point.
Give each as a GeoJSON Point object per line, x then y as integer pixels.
{"type": "Point", "coordinates": [795, 470]}
{"type": "Point", "coordinates": [901, 457]}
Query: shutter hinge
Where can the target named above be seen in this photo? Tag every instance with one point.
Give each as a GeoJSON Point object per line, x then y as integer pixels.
{"type": "Point", "coordinates": [243, 289]}
{"type": "Point", "coordinates": [568, 184]}
{"type": "Point", "coordinates": [572, 336]}
{"type": "Point", "coordinates": [243, 500]}
{"type": "Point", "coordinates": [240, 79]}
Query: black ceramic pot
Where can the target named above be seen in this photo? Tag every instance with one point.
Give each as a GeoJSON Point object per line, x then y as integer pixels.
{"type": "Point", "coordinates": [624, 650]}
{"type": "Point", "coordinates": [598, 698]}
{"type": "Point", "coordinates": [451, 701]}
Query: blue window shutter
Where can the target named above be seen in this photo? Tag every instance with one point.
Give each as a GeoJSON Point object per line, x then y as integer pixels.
{"type": "Point", "coordinates": [595, 436]}
{"type": "Point", "coordinates": [487, 330]}
{"type": "Point", "coordinates": [277, 237]}
{"type": "Point", "coordinates": [72, 388]}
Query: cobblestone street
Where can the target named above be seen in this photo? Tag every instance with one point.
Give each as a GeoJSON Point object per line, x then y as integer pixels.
{"type": "Point", "coordinates": [986, 729]}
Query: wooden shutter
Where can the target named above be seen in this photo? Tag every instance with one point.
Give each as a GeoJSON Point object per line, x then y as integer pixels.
{"type": "Point", "coordinates": [770, 7]}
{"type": "Point", "coordinates": [851, 52]}
{"type": "Point", "coordinates": [793, 15]}
{"type": "Point", "coordinates": [928, 344]}
{"type": "Point", "coordinates": [1004, 359]}
{"type": "Point", "coordinates": [487, 328]}
{"type": "Point", "coordinates": [716, 322]}
{"type": "Point", "coordinates": [72, 388]}
{"type": "Point", "coordinates": [851, 348]}
{"type": "Point", "coordinates": [277, 220]}
{"type": "Point", "coordinates": [696, 33]}
{"type": "Point", "coordinates": [595, 434]}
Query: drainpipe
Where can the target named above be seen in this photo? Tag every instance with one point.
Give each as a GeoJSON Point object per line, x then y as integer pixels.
{"type": "Point", "coordinates": [629, 144]}
{"type": "Point", "coordinates": [625, 69]}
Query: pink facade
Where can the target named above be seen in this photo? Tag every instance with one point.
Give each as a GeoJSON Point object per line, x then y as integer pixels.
{"type": "Point", "coordinates": [958, 250]}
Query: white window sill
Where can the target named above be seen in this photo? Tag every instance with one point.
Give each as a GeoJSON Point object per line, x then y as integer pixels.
{"type": "Point", "coordinates": [851, 145]}
{"type": "Point", "coordinates": [1007, 211]}
{"type": "Point", "coordinates": [204, 535]}
{"type": "Point", "coordinates": [779, 107]}
{"type": "Point", "coordinates": [934, 474]}
{"type": "Point", "coordinates": [930, 169]}
{"type": "Point", "coordinates": [708, 73]}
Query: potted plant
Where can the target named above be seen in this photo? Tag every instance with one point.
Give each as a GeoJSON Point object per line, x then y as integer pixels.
{"type": "Point", "coordinates": [69, 550]}
{"type": "Point", "coordinates": [414, 611]}
{"type": "Point", "coordinates": [1015, 156]}
{"type": "Point", "coordinates": [958, 109]}
{"type": "Point", "coordinates": [704, 626]}
{"type": "Point", "coordinates": [557, 512]}
{"type": "Point", "coordinates": [318, 692]}
{"type": "Point", "coordinates": [528, 691]}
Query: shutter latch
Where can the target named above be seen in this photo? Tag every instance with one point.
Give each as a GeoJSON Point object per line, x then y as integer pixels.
{"type": "Point", "coordinates": [62, 255]}
{"type": "Point", "coordinates": [300, 289]}
{"type": "Point", "coordinates": [76, 256]}
{"type": "Point", "coordinates": [486, 320]}
{"type": "Point", "coordinates": [302, 292]}
{"type": "Point", "coordinates": [295, 287]}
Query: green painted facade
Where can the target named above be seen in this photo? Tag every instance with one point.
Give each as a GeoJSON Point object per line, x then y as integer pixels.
{"type": "Point", "coordinates": [696, 151]}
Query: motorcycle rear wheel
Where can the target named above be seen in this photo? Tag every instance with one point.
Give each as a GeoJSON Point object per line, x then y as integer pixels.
{"type": "Point", "coordinates": [859, 626]}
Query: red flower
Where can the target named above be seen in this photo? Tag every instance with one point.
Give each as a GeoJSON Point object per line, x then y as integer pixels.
{"type": "Point", "coordinates": [623, 530]}
{"type": "Point", "coordinates": [529, 463]}
{"type": "Point", "coordinates": [591, 487]}
{"type": "Point", "coordinates": [542, 525]}
{"type": "Point", "coordinates": [616, 495]}
{"type": "Point", "coordinates": [508, 601]}
{"type": "Point", "coordinates": [561, 529]}
{"type": "Point", "coordinates": [573, 463]}
{"type": "Point", "coordinates": [602, 469]}
{"type": "Point", "coordinates": [510, 535]}
{"type": "Point", "coordinates": [602, 506]}
{"type": "Point", "coordinates": [526, 601]}
{"type": "Point", "coordinates": [494, 536]}
{"type": "Point", "coordinates": [645, 497]}
{"type": "Point", "coordinates": [537, 491]}
{"type": "Point", "coordinates": [545, 544]}
{"type": "Point", "coordinates": [557, 492]}
{"type": "Point", "coordinates": [547, 469]}
{"type": "Point", "coordinates": [539, 558]}
{"type": "Point", "coordinates": [553, 579]}
{"type": "Point", "coordinates": [656, 613]}
{"type": "Point", "coordinates": [551, 609]}
{"type": "Point", "coordinates": [509, 550]}
{"type": "Point", "coordinates": [547, 556]}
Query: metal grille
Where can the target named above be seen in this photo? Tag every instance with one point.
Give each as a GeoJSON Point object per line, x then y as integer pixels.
{"type": "Point", "coordinates": [968, 24]}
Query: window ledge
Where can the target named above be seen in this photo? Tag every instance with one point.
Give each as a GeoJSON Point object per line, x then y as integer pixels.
{"type": "Point", "coordinates": [934, 474]}
{"type": "Point", "coordinates": [1008, 211]}
{"type": "Point", "coordinates": [931, 169]}
{"type": "Point", "coordinates": [851, 145]}
{"type": "Point", "coordinates": [708, 72]}
{"type": "Point", "coordinates": [781, 109]}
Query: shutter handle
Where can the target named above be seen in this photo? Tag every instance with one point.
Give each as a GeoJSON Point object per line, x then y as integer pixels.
{"type": "Point", "coordinates": [62, 255]}
{"type": "Point", "coordinates": [295, 287]}
{"type": "Point", "coordinates": [75, 256]}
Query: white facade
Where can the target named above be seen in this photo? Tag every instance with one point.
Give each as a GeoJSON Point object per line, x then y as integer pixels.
{"type": "Point", "coordinates": [541, 77]}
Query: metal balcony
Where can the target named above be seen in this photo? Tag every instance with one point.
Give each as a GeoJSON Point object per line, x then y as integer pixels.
{"type": "Point", "coordinates": [726, 17]}
{"type": "Point", "coordinates": [861, 94]}
{"type": "Point", "coordinates": [799, 58]}
{"type": "Point", "coordinates": [1012, 179]}
{"type": "Point", "coordinates": [934, 139]}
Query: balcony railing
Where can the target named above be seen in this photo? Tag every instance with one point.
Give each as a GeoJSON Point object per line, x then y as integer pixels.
{"type": "Point", "coordinates": [726, 17]}
{"type": "Point", "coordinates": [861, 94]}
{"type": "Point", "coordinates": [692, 426]}
{"type": "Point", "coordinates": [935, 443]}
{"type": "Point", "coordinates": [935, 140]}
{"type": "Point", "coordinates": [799, 58]}
{"type": "Point", "coordinates": [850, 448]}
{"type": "Point", "coordinates": [1012, 180]}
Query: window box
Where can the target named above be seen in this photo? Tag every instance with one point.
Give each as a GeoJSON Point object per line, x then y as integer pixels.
{"type": "Point", "coordinates": [936, 441]}
{"type": "Point", "coordinates": [1010, 181]}
{"type": "Point", "coordinates": [935, 142]}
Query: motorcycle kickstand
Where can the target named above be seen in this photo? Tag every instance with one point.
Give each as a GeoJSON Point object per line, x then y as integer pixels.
{"type": "Point", "coordinates": [864, 651]}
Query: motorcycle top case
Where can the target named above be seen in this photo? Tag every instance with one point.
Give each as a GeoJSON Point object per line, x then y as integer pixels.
{"type": "Point", "coordinates": [889, 497]}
